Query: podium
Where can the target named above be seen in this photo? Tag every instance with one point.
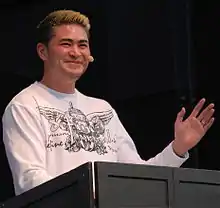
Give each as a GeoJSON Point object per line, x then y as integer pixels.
{"type": "Point", "coordinates": [196, 188]}
{"type": "Point", "coordinates": [70, 190]}
{"type": "Point", "coordinates": [120, 185]}
{"type": "Point", "coordinates": [126, 185]}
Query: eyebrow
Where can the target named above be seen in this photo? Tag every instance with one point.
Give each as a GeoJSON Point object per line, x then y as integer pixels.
{"type": "Point", "coordinates": [71, 40]}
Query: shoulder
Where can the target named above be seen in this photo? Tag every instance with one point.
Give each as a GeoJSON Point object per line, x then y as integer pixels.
{"type": "Point", "coordinates": [24, 98]}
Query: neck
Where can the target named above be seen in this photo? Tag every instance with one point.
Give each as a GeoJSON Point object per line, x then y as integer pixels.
{"type": "Point", "coordinates": [60, 84]}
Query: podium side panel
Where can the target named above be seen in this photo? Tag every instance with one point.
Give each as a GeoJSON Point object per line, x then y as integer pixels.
{"type": "Point", "coordinates": [196, 188]}
{"type": "Point", "coordinates": [129, 185]}
{"type": "Point", "coordinates": [72, 189]}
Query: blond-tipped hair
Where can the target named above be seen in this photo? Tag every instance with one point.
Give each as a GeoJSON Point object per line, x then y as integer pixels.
{"type": "Point", "coordinates": [57, 18]}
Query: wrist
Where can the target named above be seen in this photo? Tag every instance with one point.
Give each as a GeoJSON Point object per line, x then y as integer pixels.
{"type": "Point", "coordinates": [178, 150]}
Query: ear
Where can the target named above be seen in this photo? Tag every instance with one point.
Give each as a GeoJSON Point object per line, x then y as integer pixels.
{"type": "Point", "coordinates": [42, 51]}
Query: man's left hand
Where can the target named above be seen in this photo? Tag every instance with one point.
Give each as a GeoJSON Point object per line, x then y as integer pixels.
{"type": "Point", "coordinates": [190, 131]}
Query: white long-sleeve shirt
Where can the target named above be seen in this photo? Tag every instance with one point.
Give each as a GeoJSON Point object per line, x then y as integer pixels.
{"type": "Point", "coordinates": [47, 133]}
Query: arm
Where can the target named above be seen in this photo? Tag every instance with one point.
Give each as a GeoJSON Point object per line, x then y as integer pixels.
{"type": "Point", "coordinates": [188, 133]}
{"type": "Point", "coordinates": [127, 152]}
{"type": "Point", "coordinates": [24, 142]}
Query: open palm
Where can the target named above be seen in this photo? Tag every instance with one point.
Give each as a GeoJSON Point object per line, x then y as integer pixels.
{"type": "Point", "coordinates": [190, 131]}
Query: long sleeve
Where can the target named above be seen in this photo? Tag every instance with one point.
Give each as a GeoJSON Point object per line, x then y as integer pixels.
{"type": "Point", "coordinates": [127, 152]}
{"type": "Point", "coordinates": [24, 143]}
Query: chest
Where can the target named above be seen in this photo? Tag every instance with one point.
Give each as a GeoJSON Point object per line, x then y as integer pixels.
{"type": "Point", "coordinates": [72, 129]}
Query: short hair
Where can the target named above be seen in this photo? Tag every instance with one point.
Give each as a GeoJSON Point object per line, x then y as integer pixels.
{"type": "Point", "coordinates": [57, 18]}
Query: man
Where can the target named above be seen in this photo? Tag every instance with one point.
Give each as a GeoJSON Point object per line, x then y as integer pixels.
{"type": "Point", "coordinates": [50, 127]}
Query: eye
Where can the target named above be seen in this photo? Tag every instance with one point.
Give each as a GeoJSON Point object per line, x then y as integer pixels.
{"type": "Point", "coordinates": [65, 44]}
{"type": "Point", "coordinates": [83, 45]}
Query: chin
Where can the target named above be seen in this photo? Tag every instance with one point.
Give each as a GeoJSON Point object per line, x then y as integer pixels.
{"type": "Point", "coordinates": [76, 73]}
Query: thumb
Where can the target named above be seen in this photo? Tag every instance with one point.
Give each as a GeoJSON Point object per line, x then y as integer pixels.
{"type": "Point", "coordinates": [180, 115]}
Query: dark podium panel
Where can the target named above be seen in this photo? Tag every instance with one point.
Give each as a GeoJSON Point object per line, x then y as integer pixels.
{"type": "Point", "coordinates": [196, 188]}
{"type": "Point", "coordinates": [70, 190]}
{"type": "Point", "coordinates": [132, 186]}
{"type": "Point", "coordinates": [119, 185]}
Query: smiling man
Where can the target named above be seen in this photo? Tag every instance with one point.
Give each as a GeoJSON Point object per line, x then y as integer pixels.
{"type": "Point", "coordinates": [50, 128]}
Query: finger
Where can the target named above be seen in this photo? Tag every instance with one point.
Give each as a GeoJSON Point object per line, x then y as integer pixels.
{"type": "Point", "coordinates": [197, 108]}
{"type": "Point", "coordinates": [208, 116]}
{"type": "Point", "coordinates": [209, 124]}
{"type": "Point", "coordinates": [180, 115]}
{"type": "Point", "coordinates": [206, 112]}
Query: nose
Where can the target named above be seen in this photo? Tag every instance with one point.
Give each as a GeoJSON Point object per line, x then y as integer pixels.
{"type": "Point", "coordinates": [75, 51]}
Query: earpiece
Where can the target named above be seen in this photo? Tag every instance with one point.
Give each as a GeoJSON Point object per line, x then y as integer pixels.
{"type": "Point", "coordinates": [91, 59]}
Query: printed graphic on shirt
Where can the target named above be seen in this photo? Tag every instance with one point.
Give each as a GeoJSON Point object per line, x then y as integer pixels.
{"type": "Point", "coordinates": [78, 131]}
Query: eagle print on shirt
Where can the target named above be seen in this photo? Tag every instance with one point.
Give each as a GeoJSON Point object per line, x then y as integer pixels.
{"type": "Point", "coordinates": [80, 131]}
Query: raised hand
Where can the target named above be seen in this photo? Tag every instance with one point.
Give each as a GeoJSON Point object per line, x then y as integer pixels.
{"type": "Point", "coordinates": [190, 131]}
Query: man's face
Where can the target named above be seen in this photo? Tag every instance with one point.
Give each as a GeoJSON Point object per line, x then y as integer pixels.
{"type": "Point", "coordinates": [68, 51]}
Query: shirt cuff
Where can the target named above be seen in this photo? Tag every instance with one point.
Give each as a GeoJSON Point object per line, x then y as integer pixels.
{"type": "Point", "coordinates": [173, 158]}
